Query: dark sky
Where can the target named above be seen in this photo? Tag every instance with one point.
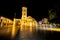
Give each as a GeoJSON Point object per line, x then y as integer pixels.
{"type": "Point", "coordinates": [36, 8]}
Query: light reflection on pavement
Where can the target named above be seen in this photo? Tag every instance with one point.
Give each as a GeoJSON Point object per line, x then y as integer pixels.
{"type": "Point", "coordinates": [26, 34]}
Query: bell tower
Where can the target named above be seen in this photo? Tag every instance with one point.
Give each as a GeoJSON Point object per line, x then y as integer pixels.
{"type": "Point", "coordinates": [24, 15]}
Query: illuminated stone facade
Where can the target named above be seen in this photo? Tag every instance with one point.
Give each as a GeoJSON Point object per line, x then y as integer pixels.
{"type": "Point", "coordinates": [6, 22]}
{"type": "Point", "coordinates": [26, 22]}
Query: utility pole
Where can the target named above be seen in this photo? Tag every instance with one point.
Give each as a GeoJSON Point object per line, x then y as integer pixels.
{"type": "Point", "coordinates": [13, 28]}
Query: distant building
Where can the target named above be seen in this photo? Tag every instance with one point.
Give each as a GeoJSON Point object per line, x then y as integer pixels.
{"type": "Point", "coordinates": [44, 23]}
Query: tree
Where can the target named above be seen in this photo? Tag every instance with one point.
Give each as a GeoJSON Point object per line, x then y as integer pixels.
{"type": "Point", "coordinates": [52, 15]}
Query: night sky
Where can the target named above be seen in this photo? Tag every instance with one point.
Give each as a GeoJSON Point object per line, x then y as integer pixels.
{"type": "Point", "coordinates": [36, 8]}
